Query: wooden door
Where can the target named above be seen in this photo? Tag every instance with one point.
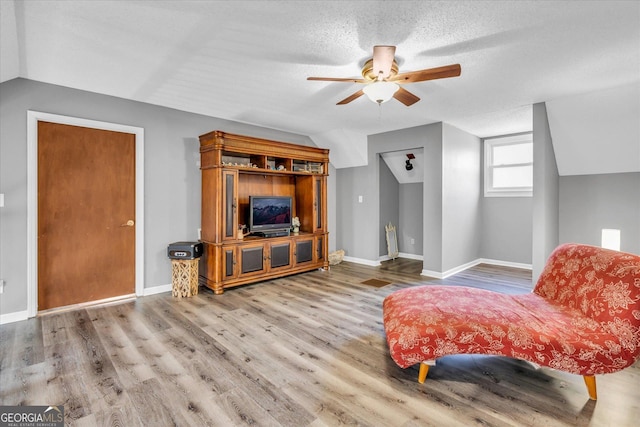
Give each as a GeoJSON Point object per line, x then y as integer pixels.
{"type": "Point", "coordinates": [86, 213]}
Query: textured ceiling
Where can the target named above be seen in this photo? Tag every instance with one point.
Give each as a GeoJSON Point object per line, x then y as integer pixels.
{"type": "Point", "coordinates": [248, 61]}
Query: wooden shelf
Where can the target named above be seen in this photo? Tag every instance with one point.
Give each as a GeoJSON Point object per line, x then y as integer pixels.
{"type": "Point", "coordinates": [235, 167]}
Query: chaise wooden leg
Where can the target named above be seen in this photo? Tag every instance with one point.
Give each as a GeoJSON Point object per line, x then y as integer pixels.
{"type": "Point", "coordinates": [590, 381]}
{"type": "Point", "coordinates": [424, 370]}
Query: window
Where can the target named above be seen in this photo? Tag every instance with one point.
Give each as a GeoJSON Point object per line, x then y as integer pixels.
{"type": "Point", "coordinates": [508, 170]}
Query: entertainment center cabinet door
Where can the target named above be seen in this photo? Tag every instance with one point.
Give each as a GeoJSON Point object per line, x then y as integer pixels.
{"type": "Point", "coordinates": [229, 262]}
{"type": "Point", "coordinates": [280, 256]}
{"type": "Point", "coordinates": [321, 249]}
{"type": "Point", "coordinates": [252, 259]}
{"type": "Point", "coordinates": [230, 204]}
{"type": "Point", "coordinates": [319, 203]}
{"type": "Point", "coordinates": [311, 197]}
{"type": "Point", "coordinates": [303, 251]}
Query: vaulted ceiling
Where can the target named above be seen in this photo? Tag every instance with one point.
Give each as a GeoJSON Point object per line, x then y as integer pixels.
{"type": "Point", "coordinates": [248, 61]}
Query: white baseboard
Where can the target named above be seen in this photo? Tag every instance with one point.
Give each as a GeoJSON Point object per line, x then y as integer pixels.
{"type": "Point", "coordinates": [23, 315]}
{"type": "Point", "coordinates": [381, 259]}
{"type": "Point", "coordinates": [431, 273]}
{"type": "Point", "coordinates": [384, 258]}
{"type": "Point", "coordinates": [157, 290]}
{"type": "Point", "coordinates": [362, 261]}
{"type": "Point", "coordinates": [505, 263]}
{"type": "Point", "coordinates": [410, 256]}
{"type": "Point", "coordinates": [16, 316]}
{"type": "Point", "coordinates": [458, 269]}
{"type": "Point", "coordinates": [450, 272]}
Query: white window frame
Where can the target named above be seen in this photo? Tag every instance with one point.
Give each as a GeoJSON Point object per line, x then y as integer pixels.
{"type": "Point", "coordinates": [489, 143]}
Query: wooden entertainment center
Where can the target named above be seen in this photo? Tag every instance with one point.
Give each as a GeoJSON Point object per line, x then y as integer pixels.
{"type": "Point", "coordinates": [235, 167]}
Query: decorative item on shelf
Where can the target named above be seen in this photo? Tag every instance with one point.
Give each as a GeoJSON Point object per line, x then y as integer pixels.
{"type": "Point", "coordinates": [241, 232]}
{"type": "Point", "coordinates": [281, 168]}
{"type": "Point", "coordinates": [295, 224]}
{"type": "Point", "coordinates": [314, 167]}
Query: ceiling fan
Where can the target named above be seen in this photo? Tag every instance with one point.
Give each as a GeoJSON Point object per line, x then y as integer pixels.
{"type": "Point", "coordinates": [380, 75]}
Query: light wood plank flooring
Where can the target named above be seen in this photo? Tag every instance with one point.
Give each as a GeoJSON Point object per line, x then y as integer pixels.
{"type": "Point", "coordinates": [307, 350]}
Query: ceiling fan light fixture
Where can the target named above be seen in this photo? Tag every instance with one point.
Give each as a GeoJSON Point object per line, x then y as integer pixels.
{"type": "Point", "coordinates": [380, 92]}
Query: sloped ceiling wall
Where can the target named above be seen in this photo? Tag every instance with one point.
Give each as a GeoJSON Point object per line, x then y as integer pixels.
{"type": "Point", "coordinates": [248, 62]}
{"type": "Point", "coordinates": [597, 132]}
{"type": "Point", "coordinates": [396, 161]}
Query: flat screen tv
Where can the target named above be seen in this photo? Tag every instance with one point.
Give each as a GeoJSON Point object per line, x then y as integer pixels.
{"type": "Point", "coordinates": [269, 213]}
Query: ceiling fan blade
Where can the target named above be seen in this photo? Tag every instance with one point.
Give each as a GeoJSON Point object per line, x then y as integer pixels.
{"type": "Point", "coordinates": [350, 98]}
{"type": "Point", "coordinates": [406, 97]}
{"type": "Point", "coordinates": [428, 74]}
{"type": "Point", "coordinates": [382, 60]}
{"type": "Point", "coordinates": [338, 79]}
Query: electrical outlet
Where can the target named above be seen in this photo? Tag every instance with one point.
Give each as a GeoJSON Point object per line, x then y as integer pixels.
{"type": "Point", "coordinates": [199, 233]}
{"type": "Point", "coordinates": [1, 286]}
{"type": "Point", "coordinates": [413, 241]}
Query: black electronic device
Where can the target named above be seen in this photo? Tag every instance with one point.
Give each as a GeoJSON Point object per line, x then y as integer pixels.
{"type": "Point", "coordinates": [270, 213]}
{"type": "Point", "coordinates": [274, 233]}
{"type": "Point", "coordinates": [184, 250]}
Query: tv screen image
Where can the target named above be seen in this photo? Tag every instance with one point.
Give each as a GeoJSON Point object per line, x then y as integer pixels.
{"type": "Point", "coordinates": [269, 212]}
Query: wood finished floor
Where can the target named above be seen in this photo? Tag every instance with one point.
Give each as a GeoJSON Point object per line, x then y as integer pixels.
{"type": "Point", "coordinates": [307, 350]}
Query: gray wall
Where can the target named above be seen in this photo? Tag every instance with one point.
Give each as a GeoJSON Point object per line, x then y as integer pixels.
{"type": "Point", "coordinates": [356, 232]}
{"type": "Point", "coordinates": [432, 200]}
{"type": "Point", "coordinates": [506, 229]}
{"type": "Point", "coordinates": [589, 203]}
{"type": "Point", "coordinates": [172, 177]}
{"type": "Point", "coordinates": [507, 224]}
{"type": "Point", "coordinates": [451, 202]}
{"type": "Point", "coordinates": [331, 207]}
{"type": "Point", "coordinates": [545, 192]}
{"type": "Point", "coordinates": [461, 198]}
{"type": "Point", "coordinates": [428, 137]}
{"type": "Point", "coordinates": [389, 204]}
{"type": "Point", "coordinates": [411, 214]}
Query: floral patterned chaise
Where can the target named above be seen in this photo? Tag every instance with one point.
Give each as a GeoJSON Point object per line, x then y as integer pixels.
{"type": "Point", "coordinates": [582, 317]}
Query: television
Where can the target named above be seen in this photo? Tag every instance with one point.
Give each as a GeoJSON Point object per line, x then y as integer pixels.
{"type": "Point", "coordinates": [268, 213]}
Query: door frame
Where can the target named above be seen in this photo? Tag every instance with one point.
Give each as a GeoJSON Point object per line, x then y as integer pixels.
{"type": "Point", "coordinates": [33, 117]}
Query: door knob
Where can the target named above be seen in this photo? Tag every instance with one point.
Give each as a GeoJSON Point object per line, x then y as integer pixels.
{"type": "Point", "coordinates": [129, 223]}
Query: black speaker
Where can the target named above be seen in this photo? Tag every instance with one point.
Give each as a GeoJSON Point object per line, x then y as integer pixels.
{"type": "Point", "coordinates": [184, 250]}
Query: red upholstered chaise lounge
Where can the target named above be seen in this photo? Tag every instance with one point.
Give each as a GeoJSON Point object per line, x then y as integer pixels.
{"type": "Point", "coordinates": [582, 317]}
